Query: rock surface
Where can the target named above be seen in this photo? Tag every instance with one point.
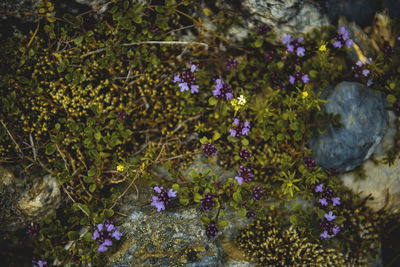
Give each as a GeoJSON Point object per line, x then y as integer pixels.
{"type": "Point", "coordinates": [382, 181]}
{"type": "Point", "coordinates": [25, 198]}
{"type": "Point", "coordinates": [293, 17]}
{"type": "Point", "coordinates": [364, 120]}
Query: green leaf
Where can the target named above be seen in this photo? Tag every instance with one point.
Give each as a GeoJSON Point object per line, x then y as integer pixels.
{"type": "Point", "coordinates": [258, 43]}
{"type": "Point", "coordinates": [203, 140]}
{"type": "Point", "coordinates": [78, 40]}
{"type": "Point", "coordinates": [175, 187]}
{"type": "Point", "coordinates": [216, 136]}
{"type": "Point", "coordinates": [222, 224]}
{"type": "Point", "coordinates": [321, 129]}
{"type": "Point", "coordinates": [294, 220]}
{"type": "Point", "coordinates": [97, 135]}
{"type": "Point", "coordinates": [245, 142]}
{"type": "Point", "coordinates": [92, 188]}
{"type": "Point", "coordinates": [340, 219]}
{"type": "Point", "coordinates": [205, 220]}
{"type": "Point", "coordinates": [197, 197]}
{"type": "Point", "coordinates": [88, 179]}
{"type": "Point", "coordinates": [184, 201]}
{"type": "Point", "coordinates": [50, 149]}
{"type": "Point", "coordinates": [108, 213]}
{"type": "Point", "coordinates": [92, 172]}
{"type": "Point", "coordinates": [391, 98]}
{"type": "Point", "coordinates": [297, 207]}
{"type": "Point", "coordinates": [298, 136]}
{"type": "Point", "coordinates": [313, 74]}
{"type": "Point", "coordinates": [237, 197]}
{"type": "Point", "coordinates": [212, 101]}
{"type": "Point", "coordinates": [88, 237]}
{"type": "Point", "coordinates": [242, 212]}
{"type": "Point", "coordinates": [73, 235]}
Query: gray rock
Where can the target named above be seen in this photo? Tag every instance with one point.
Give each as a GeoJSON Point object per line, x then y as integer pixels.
{"type": "Point", "coordinates": [25, 198]}
{"type": "Point", "coordinates": [360, 11]}
{"type": "Point", "coordinates": [293, 17]}
{"type": "Point", "coordinates": [393, 6]}
{"type": "Point", "coordinates": [364, 120]}
{"type": "Point", "coordinates": [382, 181]}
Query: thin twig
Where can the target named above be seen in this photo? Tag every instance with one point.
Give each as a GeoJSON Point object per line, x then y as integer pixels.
{"type": "Point", "coordinates": [182, 123]}
{"type": "Point", "coordinates": [33, 146]}
{"type": "Point", "coordinates": [73, 200]}
{"type": "Point", "coordinates": [12, 138]}
{"type": "Point", "coordinates": [62, 155]}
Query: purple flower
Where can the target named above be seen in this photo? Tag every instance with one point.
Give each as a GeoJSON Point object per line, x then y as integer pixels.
{"type": "Point", "coordinates": [335, 201]}
{"type": "Point", "coordinates": [330, 217]}
{"type": "Point", "coordinates": [207, 202]}
{"type": "Point", "coordinates": [319, 188]}
{"type": "Point", "coordinates": [239, 128]}
{"type": "Point", "coordinates": [286, 39]}
{"type": "Point", "coordinates": [193, 68]}
{"type": "Point", "coordinates": [291, 79]}
{"type": "Point", "coordinates": [239, 180]}
{"type": "Point", "coordinates": [398, 38]}
{"type": "Point", "coordinates": [209, 149]}
{"type": "Point", "coordinates": [250, 214]}
{"type": "Point", "coordinates": [263, 30]}
{"type": "Point", "coordinates": [349, 43]}
{"type": "Point", "coordinates": [343, 38]}
{"type": "Point", "coordinates": [163, 198]}
{"type": "Point", "coordinates": [184, 87]}
{"type": "Point", "coordinates": [300, 51]}
{"type": "Point", "coordinates": [335, 230]}
{"type": "Point", "coordinates": [39, 263]}
{"type": "Point", "coordinates": [290, 48]}
{"type": "Point", "coordinates": [325, 235]}
{"type": "Point", "coordinates": [323, 202]}
{"type": "Point", "coordinates": [177, 78]}
{"type": "Point", "coordinates": [104, 233]}
{"type": "Point", "coordinates": [305, 78]}
{"type": "Point", "coordinates": [222, 90]}
{"type": "Point", "coordinates": [369, 82]}
{"type": "Point", "coordinates": [337, 44]}
{"type": "Point", "coordinates": [309, 163]}
{"type": "Point", "coordinates": [187, 80]}
{"type": "Point", "coordinates": [231, 63]}
{"type": "Point", "coordinates": [245, 154]}
{"type": "Point", "coordinates": [33, 230]}
{"type": "Point", "coordinates": [194, 89]}
{"type": "Point", "coordinates": [365, 72]}
{"type": "Point", "coordinates": [211, 230]}
{"type": "Point", "coordinates": [117, 235]}
{"type": "Point", "coordinates": [245, 174]}
{"type": "Point", "coordinates": [257, 193]}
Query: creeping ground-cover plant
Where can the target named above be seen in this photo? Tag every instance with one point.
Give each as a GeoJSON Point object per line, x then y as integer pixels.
{"type": "Point", "coordinates": [98, 100]}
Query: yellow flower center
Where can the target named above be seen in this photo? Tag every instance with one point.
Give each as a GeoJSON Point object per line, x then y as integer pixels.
{"type": "Point", "coordinates": [120, 168]}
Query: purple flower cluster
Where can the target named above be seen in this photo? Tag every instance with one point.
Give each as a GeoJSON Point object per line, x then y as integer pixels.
{"type": "Point", "coordinates": [299, 77]}
{"type": "Point", "coordinates": [222, 90]}
{"type": "Point", "coordinates": [309, 163]}
{"type": "Point", "coordinates": [244, 174]}
{"type": "Point", "coordinates": [328, 226]}
{"type": "Point", "coordinates": [231, 63]}
{"type": "Point", "coordinates": [104, 233]}
{"type": "Point", "coordinates": [327, 194]}
{"type": "Point", "coordinates": [342, 38]}
{"type": "Point", "coordinates": [121, 115]}
{"type": "Point", "coordinates": [33, 230]}
{"type": "Point", "coordinates": [209, 149]}
{"type": "Point", "coordinates": [245, 154]}
{"type": "Point", "coordinates": [211, 230]}
{"type": "Point", "coordinates": [294, 45]}
{"type": "Point", "coordinates": [239, 128]}
{"type": "Point", "coordinates": [361, 70]}
{"type": "Point", "coordinates": [388, 51]}
{"type": "Point", "coordinates": [257, 193]}
{"type": "Point", "coordinates": [207, 202]}
{"type": "Point", "coordinates": [263, 30]}
{"type": "Point", "coordinates": [250, 214]}
{"type": "Point", "coordinates": [187, 81]}
{"type": "Point", "coordinates": [270, 55]}
{"type": "Point", "coordinates": [162, 198]}
{"type": "Point", "coordinates": [277, 82]}
{"type": "Point", "coordinates": [39, 263]}
{"type": "Point", "coordinates": [332, 172]}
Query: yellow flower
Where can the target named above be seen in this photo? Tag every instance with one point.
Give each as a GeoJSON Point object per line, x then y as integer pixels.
{"type": "Point", "coordinates": [235, 105]}
{"type": "Point", "coordinates": [305, 94]}
{"type": "Point", "coordinates": [120, 168]}
{"type": "Point", "coordinates": [322, 48]}
{"type": "Point", "coordinates": [242, 100]}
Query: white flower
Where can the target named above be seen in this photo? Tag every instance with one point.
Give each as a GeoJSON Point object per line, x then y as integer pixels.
{"type": "Point", "coordinates": [242, 100]}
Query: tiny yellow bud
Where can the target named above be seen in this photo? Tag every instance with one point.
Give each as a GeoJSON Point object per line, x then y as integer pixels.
{"type": "Point", "coordinates": [322, 48]}
{"type": "Point", "coordinates": [305, 94]}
